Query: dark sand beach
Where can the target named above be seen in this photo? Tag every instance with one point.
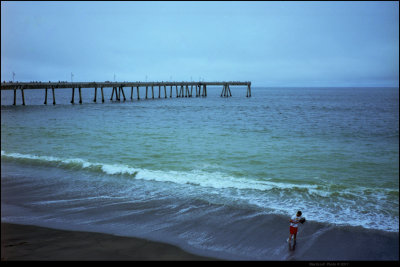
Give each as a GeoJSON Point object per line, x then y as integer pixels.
{"type": "Point", "coordinates": [26, 242]}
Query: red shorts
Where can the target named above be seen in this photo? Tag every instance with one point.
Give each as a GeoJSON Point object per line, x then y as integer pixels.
{"type": "Point", "coordinates": [293, 230]}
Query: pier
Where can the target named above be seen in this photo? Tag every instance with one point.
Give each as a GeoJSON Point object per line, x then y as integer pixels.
{"type": "Point", "coordinates": [182, 89]}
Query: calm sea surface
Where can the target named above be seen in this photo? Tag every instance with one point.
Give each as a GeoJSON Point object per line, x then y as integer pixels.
{"type": "Point", "coordinates": [159, 166]}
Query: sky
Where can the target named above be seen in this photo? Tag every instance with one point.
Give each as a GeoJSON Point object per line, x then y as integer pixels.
{"type": "Point", "coordinates": [268, 43]}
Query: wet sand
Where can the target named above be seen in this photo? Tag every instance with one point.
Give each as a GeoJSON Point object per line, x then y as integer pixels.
{"type": "Point", "coordinates": [315, 242]}
{"type": "Point", "coordinates": [26, 242]}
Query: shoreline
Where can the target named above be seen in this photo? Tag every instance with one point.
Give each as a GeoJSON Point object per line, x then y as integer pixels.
{"type": "Point", "coordinates": [316, 242]}
{"type": "Point", "coordinates": [29, 242]}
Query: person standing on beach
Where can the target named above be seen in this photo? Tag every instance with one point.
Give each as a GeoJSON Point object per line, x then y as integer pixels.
{"type": "Point", "coordinates": [294, 224]}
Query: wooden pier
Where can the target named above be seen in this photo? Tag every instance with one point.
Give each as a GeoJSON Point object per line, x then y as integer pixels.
{"type": "Point", "coordinates": [182, 89]}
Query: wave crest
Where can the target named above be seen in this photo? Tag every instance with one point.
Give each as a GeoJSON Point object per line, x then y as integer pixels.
{"type": "Point", "coordinates": [74, 163]}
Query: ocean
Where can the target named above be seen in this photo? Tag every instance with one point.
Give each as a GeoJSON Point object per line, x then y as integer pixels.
{"type": "Point", "coordinates": [216, 176]}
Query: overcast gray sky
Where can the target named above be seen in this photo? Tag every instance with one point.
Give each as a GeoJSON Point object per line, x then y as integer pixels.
{"type": "Point", "coordinates": [268, 43]}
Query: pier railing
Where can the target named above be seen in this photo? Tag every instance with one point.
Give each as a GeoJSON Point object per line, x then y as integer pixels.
{"type": "Point", "coordinates": [118, 88]}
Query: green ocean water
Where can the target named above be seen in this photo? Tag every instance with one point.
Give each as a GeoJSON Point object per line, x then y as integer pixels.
{"type": "Point", "coordinates": [331, 152]}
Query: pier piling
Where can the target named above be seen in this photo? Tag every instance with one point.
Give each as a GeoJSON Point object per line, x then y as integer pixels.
{"type": "Point", "coordinates": [226, 91]}
{"type": "Point", "coordinates": [112, 94]}
{"type": "Point", "coordinates": [123, 94]}
{"type": "Point", "coordinates": [80, 95]}
{"type": "Point", "coordinates": [45, 96]}
{"type": "Point", "coordinates": [73, 95]}
{"type": "Point", "coordinates": [54, 96]}
{"type": "Point", "coordinates": [95, 94]}
{"type": "Point", "coordinates": [248, 94]}
{"type": "Point", "coordinates": [23, 97]}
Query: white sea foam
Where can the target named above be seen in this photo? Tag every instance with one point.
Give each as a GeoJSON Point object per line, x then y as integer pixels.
{"type": "Point", "coordinates": [277, 197]}
{"type": "Point", "coordinates": [216, 180]}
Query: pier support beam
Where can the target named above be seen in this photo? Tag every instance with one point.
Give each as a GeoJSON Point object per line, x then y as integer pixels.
{"type": "Point", "coordinates": [159, 91]}
{"type": "Point", "coordinates": [116, 94]}
{"type": "Point", "coordinates": [170, 93]}
{"type": "Point", "coordinates": [15, 97]}
{"type": "Point", "coordinates": [152, 91]}
{"type": "Point", "coordinates": [138, 97]}
{"type": "Point", "coordinates": [45, 96]}
{"type": "Point", "coordinates": [112, 93]}
{"type": "Point", "coordinates": [23, 97]}
{"type": "Point", "coordinates": [132, 93]}
{"type": "Point", "coordinates": [176, 87]}
{"type": "Point", "coordinates": [80, 95]}
{"type": "Point", "coordinates": [73, 95]}
{"type": "Point", "coordinates": [54, 96]}
{"type": "Point", "coordinates": [102, 95]}
{"type": "Point", "coordinates": [226, 91]}
{"type": "Point", "coordinates": [95, 94]}
{"type": "Point", "coordinates": [165, 91]}
{"type": "Point", "coordinates": [123, 94]}
{"type": "Point", "coordinates": [248, 90]}
{"type": "Point", "coordinates": [146, 91]}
